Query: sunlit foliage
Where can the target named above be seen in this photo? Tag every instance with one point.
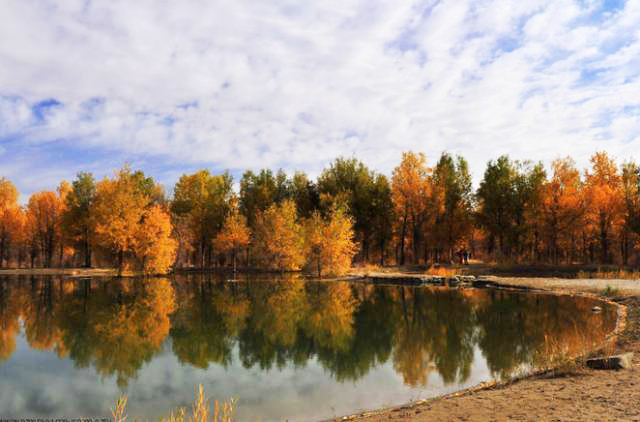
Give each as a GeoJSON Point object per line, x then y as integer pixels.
{"type": "Point", "coordinates": [520, 213]}
{"type": "Point", "coordinates": [201, 202]}
{"type": "Point", "coordinates": [279, 238]}
{"type": "Point", "coordinates": [154, 245]}
{"type": "Point", "coordinates": [329, 243]}
{"type": "Point", "coordinates": [235, 234]}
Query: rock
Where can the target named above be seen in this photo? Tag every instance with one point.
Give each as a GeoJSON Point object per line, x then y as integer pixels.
{"type": "Point", "coordinates": [623, 361]}
{"type": "Point", "coordinates": [436, 279]}
{"type": "Point", "coordinates": [596, 309]}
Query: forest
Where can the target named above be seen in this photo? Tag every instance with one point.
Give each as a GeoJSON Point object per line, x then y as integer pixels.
{"type": "Point", "coordinates": [521, 212]}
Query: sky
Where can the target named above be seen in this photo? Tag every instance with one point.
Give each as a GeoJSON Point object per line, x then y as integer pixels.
{"type": "Point", "coordinates": [172, 87]}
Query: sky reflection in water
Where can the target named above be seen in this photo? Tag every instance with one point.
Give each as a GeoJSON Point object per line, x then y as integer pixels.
{"type": "Point", "coordinates": [286, 348]}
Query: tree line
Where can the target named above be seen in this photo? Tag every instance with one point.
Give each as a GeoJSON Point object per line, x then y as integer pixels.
{"type": "Point", "coordinates": [521, 212]}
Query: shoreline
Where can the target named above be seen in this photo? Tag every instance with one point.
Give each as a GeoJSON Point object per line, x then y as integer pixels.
{"type": "Point", "coordinates": [423, 409]}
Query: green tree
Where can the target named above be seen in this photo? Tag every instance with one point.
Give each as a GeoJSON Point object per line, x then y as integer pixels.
{"type": "Point", "coordinates": [76, 221]}
{"type": "Point", "coordinates": [203, 200]}
{"type": "Point", "coordinates": [349, 182]}
{"type": "Point", "coordinates": [259, 191]}
{"type": "Point", "coordinates": [454, 214]}
{"type": "Point", "coordinates": [509, 193]}
{"type": "Point", "coordinates": [631, 189]}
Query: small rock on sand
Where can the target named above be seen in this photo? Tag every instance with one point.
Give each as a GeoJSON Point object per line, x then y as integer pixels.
{"type": "Point", "coordinates": [622, 361]}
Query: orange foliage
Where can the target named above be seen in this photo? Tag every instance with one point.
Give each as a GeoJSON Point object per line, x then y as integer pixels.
{"type": "Point", "coordinates": [562, 205]}
{"type": "Point", "coordinates": [11, 218]}
{"type": "Point", "coordinates": [279, 237]}
{"type": "Point", "coordinates": [154, 245]}
{"type": "Point", "coordinates": [117, 212]}
{"type": "Point", "coordinates": [605, 200]}
{"type": "Point", "coordinates": [235, 234]}
{"type": "Point", "coordinates": [44, 214]}
{"type": "Point", "coordinates": [329, 243]}
{"type": "Point", "coordinates": [411, 191]}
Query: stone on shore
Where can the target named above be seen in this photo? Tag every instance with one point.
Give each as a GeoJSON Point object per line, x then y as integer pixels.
{"type": "Point", "coordinates": [623, 361]}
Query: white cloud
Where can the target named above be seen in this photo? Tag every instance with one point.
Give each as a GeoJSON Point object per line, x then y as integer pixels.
{"type": "Point", "coordinates": [290, 84]}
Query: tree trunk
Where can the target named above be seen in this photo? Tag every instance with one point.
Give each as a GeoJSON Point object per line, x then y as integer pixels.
{"type": "Point", "coordinates": [120, 261]}
{"type": "Point", "coordinates": [604, 241]}
{"type": "Point", "coordinates": [87, 249]}
{"type": "Point", "coordinates": [234, 263]}
{"type": "Point", "coordinates": [402, 236]}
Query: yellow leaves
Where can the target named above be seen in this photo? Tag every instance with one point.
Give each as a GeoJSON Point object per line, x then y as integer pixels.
{"type": "Point", "coordinates": [118, 209]}
{"type": "Point", "coordinates": [8, 194]}
{"type": "Point", "coordinates": [279, 237]}
{"type": "Point", "coordinates": [604, 191]}
{"type": "Point", "coordinates": [44, 214]}
{"type": "Point", "coordinates": [329, 243]}
{"type": "Point", "coordinates": [235, 233]}
{"type": "Point", "coordinates": [153, 243]}
{"type": "Point", "coordinates": [562, 202]}
{"type": "Point", "coordinates": [410, 183]}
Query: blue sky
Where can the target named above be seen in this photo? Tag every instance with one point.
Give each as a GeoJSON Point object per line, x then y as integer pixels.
{"type": "Point", "coordinates": [172, 87]}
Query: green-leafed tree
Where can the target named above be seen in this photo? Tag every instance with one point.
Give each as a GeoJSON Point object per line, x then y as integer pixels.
{"type": "Point", "coordinates": [203, 199]}
{"type": "Point", "coordinates": [77, 223]}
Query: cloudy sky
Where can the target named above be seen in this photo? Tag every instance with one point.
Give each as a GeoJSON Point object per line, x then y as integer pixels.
{"type": "Point", "coordinates": [172, 87]}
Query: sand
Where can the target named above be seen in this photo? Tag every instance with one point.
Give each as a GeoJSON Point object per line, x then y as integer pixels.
{"type": "Point", "coordinates": [570, 394]}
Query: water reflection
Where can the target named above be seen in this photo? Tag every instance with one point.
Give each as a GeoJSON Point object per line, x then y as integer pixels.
{"type": "Point", "coordinates": [116, 327]}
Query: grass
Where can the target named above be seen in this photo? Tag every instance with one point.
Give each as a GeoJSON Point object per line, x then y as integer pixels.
{"type": "Point", "coordinates": [443, 271]}
{"type": "Point", "coordinates": [610, 291]}
{"type": "Point", "coordinates": [610, 274]}
{"type": "Point", "coordinates": [200, 410]}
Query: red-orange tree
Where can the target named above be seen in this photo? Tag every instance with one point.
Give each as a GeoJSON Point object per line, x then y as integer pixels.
{"type": "Point", "coordinates": [603, 186]}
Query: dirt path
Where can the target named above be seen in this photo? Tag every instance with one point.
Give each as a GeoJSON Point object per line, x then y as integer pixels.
{"type": "Point", "coordinates": [575, 395]}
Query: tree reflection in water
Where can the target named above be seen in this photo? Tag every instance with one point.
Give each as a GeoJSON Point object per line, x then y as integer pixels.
{"type": "Point", "coordinates": [116, 326]}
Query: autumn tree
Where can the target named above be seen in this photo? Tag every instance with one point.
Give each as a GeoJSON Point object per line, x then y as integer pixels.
{"type": "Point", "coordinates": [44, 215]}
{"type": "Point", "coordinates": [235, 234]}
{"type": "Point", "coordinates": [349, 183]}
{"type": "Point", "coordinates": [603, 188]}
{"type": "Point", "coordinates": [329, 243]}
{"type": "Point", "coordinates": [410, 192]}
{"type": "Point", "coordinates": [562, 208]}
{"type": "Point", "coordinates": [153, 244]}
{"type": "Point", "coordinates": [119, 207]}
{"type": "Point", "coordinates": [77, 223]}
{"type": "Point", "coordinates": [202, 199]}
{"type": "Point", "coordinates": [10, 219]}
{"type": "Point", "coordinates": [279, 238]}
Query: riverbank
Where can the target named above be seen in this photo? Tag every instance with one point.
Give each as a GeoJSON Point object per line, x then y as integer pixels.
{"type": "Point", "coordinates": [572, 393]}
{"type": "Point", "coordinates": [71, 272]}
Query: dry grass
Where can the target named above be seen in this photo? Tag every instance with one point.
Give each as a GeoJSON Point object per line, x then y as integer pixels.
{"type": "Point", "coordinates": [200, 410]}
{"type": "Point", "coordinates": [367, 269]}
{"type": "Point", "coordinates": [611, 291]}
{"type": "Point", "coordinates": [443, 271]}
{"type": "Point", "coordinates": [612, 274]}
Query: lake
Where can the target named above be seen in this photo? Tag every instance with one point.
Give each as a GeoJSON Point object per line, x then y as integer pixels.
{"type": "Point", "coordinates": [286, 348]}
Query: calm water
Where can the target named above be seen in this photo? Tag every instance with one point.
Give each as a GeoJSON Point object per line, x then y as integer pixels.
{"type": "Point", "coordinates": [286, 348]}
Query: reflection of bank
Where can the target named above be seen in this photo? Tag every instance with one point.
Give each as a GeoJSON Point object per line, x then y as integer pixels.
{"type": "Point", "coordinates": [116, 326]}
